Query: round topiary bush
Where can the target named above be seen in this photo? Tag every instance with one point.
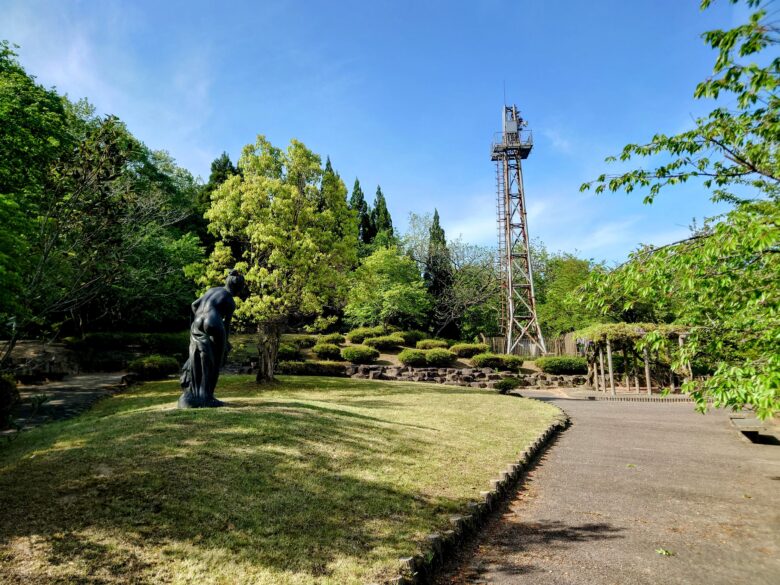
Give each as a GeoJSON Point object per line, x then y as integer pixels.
{"type": "Point", "coordinates": [563, 365]}
{"type": "Point", "coordinates": [513, 362]}
{"type": "Point", "coordinates": [288, 352]}
{"type": "Point", "coordinates": [359, 354]}
{"type": "Point", "coordinates": [327, 351]}
{"type": "Point", "coordinates": [385, 342]}
{"type": "Point", "coordinates": [336, 338]}
{"type": "Point", "coordinates": [469, 349]}
{"type": "Point", "coordinates": [439, 357]}
{"type": "Point", "coordinates": [412, 357]}
{"type": "Point", "coordinates": [507, 384]}
{"type": "Point", "coordinates": [431, 344]}
{"type": "Point", "coordinates": [9, 396]}
{"type": "Point", "coordinates": [359, 334]}
{"type": "Point", "coordinates": [153, 367]}
{"type": "Point", "coordinates": [412, 337]}
{"type": "Point", "coordinates": [488, 360]}
{"type": "Point", "coordinates": [299, 340]}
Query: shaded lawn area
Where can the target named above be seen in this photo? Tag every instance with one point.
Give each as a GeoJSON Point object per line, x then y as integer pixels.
{"type": "Point", "coordinates": [311, 480]}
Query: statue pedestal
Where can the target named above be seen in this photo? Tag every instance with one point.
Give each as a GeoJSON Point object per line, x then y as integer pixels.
{"type": "Point", "coordinates": [189, 400]}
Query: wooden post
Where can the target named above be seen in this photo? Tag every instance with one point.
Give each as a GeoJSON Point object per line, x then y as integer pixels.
{"type": "Point", "coordinates": [647, 372]}
{"type": "Point", "coordinates": [603, 375]}
{"type": "Point", "coordinates": [611, 371]}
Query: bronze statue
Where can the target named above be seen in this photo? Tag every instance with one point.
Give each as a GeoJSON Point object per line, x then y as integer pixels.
{"type": "Point", "coordinates": [211, 316]}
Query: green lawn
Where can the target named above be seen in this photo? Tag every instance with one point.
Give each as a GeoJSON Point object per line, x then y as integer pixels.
{"type": "Point", "coordinates": [313, 480]}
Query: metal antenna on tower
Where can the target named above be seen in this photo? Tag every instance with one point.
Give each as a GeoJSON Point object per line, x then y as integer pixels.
{"type": "Point", "coordinates": [518, 315]}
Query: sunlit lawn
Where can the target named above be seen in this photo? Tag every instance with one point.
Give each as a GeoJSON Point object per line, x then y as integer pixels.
{"type": "Point", "coordinates": [313, 480]}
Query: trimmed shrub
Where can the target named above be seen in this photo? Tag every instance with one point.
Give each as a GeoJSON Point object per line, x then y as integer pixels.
{"type": "Point", "coordinates": [439, 357]}
{"type": "Point", "coordinates": [9, 396]}
{"type": "Point", "coordinates": [300, 340]}
{"type": "Point", "coordinates": [513, 362]}
{"type": "Point", "coordinates": [336, 338]}
{"type": "Point", "coordinates": [563, 365]}
{"type": "Point", "coordinates": [327, 351]}
{"type": "Point", "coordinates": [153, 367]}
{"type": "Point", "coordinates": [412, 357]}
{"type": "Point", "coordinates": [359, 354]}
{"type": "Point", "coordinates": [488, 360]}
{"type": "Point", "coordinates": [393, 341]}
{"type": "Point", "coordinates": [507, 384]}
{"type": "Point", "coordinates": [288, 352]}
{"type": "Point", "coordinates": [310, 369]}
{"type": "Point", "coordinates": [431, 344]}
{"type": "Point", "coordinates": [469, 349]}
{"type": "Point", "coordinates": [359, 334]}
{"type": "Point", "coordinates": [412, 337]}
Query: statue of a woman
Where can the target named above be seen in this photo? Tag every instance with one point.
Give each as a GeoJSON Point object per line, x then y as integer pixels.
{"type": "Point", "coordinates": [211, 315]}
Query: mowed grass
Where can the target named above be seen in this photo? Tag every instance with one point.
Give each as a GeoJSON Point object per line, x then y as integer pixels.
{"type": "Point", "coordinates": [311, 480]}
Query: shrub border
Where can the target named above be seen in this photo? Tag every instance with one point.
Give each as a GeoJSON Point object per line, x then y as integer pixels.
{"type": "Point", "coordinates": [442, 547]}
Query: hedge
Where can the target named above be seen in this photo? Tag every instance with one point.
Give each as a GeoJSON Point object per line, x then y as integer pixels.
{"type": "Point", "coordinates": [488, 360]}
{"type": "Point", "coordinates": [153, 367]}
{"type": "Point", "coordinates": [439, 357]}
{"type": "Point", "coordinates": [393, 341]}
{"type": "Point", "coordinates": [336, 338]}
{"type": "Point", "coordinates": [310, 369]}
{"type": "Point", "coordinates": [327, 351]}
{"type": "Point", "coordinates": [288, 352]}
{"type": "Point", "coordinates": [513, 362]}
{"type": "Point", "coordinates": [301, 340]}
{"type": "Point", "coordinates": [412, 337]}
{"type": "Point", "coordinates": [469, 349]}
{"type": "Point", "coordinates": [359, 334]}
{"type": "Point", "coordinates": [563, 365]}
{"type": "Point", "coordinates": [159, 343]}
{"type": "Point", "coordinates": [412, 357]}
{"type": "Point", "coordinates": [359, 354]}
{"type": "Point", "coordinates": [431, 344]}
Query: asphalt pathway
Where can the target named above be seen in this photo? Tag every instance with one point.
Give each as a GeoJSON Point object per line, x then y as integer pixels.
{"type": "Point", "coordinates": [637, 493]}
{"type": "Point", "coordinates": [59, 400]}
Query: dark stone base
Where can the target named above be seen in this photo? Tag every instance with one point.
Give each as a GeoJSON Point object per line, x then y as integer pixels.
{"type": "Point", "coordinates": [188, 400]}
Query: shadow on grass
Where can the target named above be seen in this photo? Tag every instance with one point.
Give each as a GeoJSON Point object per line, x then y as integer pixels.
{"type": "Point", "coordinates": [277, 484]}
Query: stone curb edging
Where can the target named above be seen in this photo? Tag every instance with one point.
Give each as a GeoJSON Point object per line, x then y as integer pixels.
{"type": "Point", "coordinates": [420, 568]}
{"type": "Point", "coordinates": [661, 399]}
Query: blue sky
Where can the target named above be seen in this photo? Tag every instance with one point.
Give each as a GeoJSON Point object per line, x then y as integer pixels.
{"type": "Point", "coordinates": [404, 94]}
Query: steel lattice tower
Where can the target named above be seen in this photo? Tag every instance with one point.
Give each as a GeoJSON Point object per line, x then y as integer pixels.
{"type": "Point", "coordinates": [518, 315]}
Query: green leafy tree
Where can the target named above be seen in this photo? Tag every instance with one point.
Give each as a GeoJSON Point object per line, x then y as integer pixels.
{"type": "Point", "coordinates": [386, 289]}
{"type": "Point", "coordinates": [722, 280]}
{"type": "Point", "coordinates": [557, 308]}
{"type": "Point", "coordinates": [294, 240]}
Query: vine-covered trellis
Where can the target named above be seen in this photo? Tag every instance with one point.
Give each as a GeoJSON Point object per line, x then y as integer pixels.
{"type": "Point", "coordinates": [635, 352]}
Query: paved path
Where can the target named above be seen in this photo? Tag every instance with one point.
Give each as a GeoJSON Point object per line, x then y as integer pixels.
{"type": "Point", "coordinates": [63, 399]}
{"type": "Point", "coordinates": [627, 480]}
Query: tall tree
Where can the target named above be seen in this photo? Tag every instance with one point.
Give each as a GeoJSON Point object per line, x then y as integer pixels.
{"type": "Point", "coordinates": [381, 222]}
{"type": "Point", "coordinates": [357, 203]}
{"type": "Point", "coordinates": [723, 277]}
{"type": "Point", "coordinates": [295, 241]}
{"type": "Point", "coordinates": [387, 289]}
{"type": "Point", "coordinates": [438, 272]}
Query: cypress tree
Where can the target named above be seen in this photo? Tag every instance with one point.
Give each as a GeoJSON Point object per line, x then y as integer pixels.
{"type": "Point", "coordinates": [381, 222]}
{"type": "Point", "coordinates": [438, 274]}
{"type": "Point", "coordinates": [357, 203]}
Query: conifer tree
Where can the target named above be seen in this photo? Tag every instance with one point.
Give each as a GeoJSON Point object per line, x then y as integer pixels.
{"type": "Point", "coordinates": [381, 222]}
{"type": "Point", "coordinates": [438, 264]}
{"type": "Point", "coordinates": [357, 203]}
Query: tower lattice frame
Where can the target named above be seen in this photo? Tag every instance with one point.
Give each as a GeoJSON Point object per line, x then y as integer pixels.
{"type": "Point", "coordinates": [519, 322]}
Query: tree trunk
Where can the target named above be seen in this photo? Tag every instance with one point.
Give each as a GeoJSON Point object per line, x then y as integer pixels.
{"type": "Point", "coordinates": [269, 335]}
{"type": "Point", "coordinates": [611, 370]}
